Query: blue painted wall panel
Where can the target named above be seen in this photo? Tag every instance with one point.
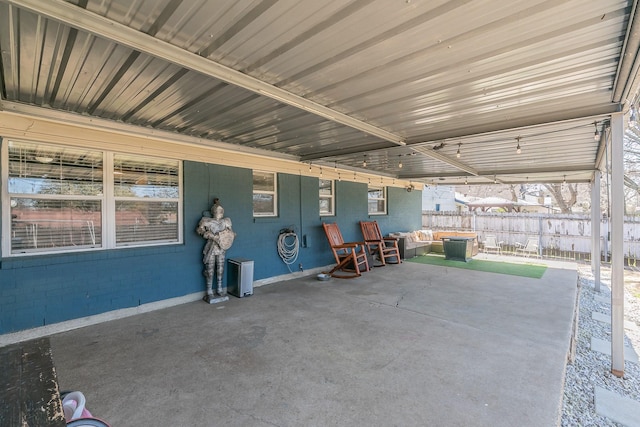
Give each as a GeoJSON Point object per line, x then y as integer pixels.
{"type": "Point", "coordinates": [43, 289]}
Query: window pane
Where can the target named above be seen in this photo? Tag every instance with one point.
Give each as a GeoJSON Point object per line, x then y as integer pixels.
{"type": "Point", "coordinates": [263, 204]}
{"type": "Point", "coordinates": [326, 187]}
{"type": "Point", "coordinates": [42, 169]}
{"type": "Point", "coordinates": [136, 176]}
{"type": "Point", "coordinates": [263, 181]}
{"type": "Point", "coordinates": [42, 225]}
{"type": "Point", "coordinates": [326, 207]}
{"type": "Point", "coordinates": [138, 221]}
{"type": "Point", "coordinates": [376, 193]}
{"type": "Point", "coordinates": [376, 206]}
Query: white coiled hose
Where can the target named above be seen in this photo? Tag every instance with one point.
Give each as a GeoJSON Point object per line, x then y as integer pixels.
{"type": "Point", "coordinates": [288, 245]}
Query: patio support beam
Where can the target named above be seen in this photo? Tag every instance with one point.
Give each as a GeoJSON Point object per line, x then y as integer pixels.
{"type": "Point", "coordinates": [451, 162]}
{"type": "Point", "coordinates": [595, 229]}
{"type": "Point", "coordinates": [617, 247]}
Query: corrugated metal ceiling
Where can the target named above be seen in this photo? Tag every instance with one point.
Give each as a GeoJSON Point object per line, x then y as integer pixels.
{"type": "Point", "coordinates": [338, 82]}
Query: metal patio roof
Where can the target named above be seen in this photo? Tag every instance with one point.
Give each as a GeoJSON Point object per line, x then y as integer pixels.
{"type": "Point", "coordinates": [403, 85]}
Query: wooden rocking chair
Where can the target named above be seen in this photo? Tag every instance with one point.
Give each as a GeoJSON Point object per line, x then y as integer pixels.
{"type": "Point", "coordinates": [350, 257]}
{"type": "Point", "coordinates": [385, 247]}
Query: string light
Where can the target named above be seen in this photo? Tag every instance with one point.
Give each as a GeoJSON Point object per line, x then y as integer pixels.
{"type": "Point", "coordinates": [364, 161]}
{"type": "Point", "coordinates": [458, 152]}
{"type": "Point", "coordinates": [596, 134]}
{"type": "Point", "coordinates": [495, 179]}
{"type": "Point", "coordinates": [518, 149]}
{"type": "Point", "coordinates": [465, 181]}
{"type": "Point", "coordinates": [320, 171]}
{"type": "Point", "coordinates": [339, 178]}
{"type": "Point", "coordinates": [335, 166]}
{"type": "Point", "coordinates": [309, 166]}
{"type": "Point", "coordinates": [399, 161]}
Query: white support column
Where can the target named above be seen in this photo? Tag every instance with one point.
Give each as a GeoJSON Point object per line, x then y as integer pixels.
{"type": "Point", "coordinates": [595, 229]}
{"type": "Point", "coordinates": [617, 246]}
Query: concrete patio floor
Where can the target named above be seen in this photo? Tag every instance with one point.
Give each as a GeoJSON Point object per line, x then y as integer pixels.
{"type": "Point", "coordinates": [404, 345]}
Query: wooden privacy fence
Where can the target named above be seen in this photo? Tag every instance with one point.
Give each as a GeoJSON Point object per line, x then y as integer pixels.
{"type": "Point", "coordinates": [565, 236]}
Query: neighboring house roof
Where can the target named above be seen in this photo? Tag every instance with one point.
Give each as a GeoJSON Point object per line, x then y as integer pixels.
{"type": "Point", "coordinates": [461, 199]}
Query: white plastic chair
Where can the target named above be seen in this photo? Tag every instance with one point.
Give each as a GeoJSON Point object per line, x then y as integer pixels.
{"type": "Point", "coordinates": [531, 247]}
{"type": "Point", "coordinates": [491, 244]}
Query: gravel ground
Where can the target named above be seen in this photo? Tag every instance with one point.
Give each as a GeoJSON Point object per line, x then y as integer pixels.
{"type": "Point", "coordinates": [590, 368]}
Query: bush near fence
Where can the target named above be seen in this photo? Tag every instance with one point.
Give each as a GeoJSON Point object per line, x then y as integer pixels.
{"type": "Point", "coordinates": [564, 236]}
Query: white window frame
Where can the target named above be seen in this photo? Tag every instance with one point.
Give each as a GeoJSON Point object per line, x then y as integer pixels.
{"type": "Point", "coordinates": [377, 199]}
{"type": "Point", "coordinates": [107, 199]}
{"type": "Point", "coordinates": [273, 193]}
{"type": "Point", "coordinates": [331, 197]}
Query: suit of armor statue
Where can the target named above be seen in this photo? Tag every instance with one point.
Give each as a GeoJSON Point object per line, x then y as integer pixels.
{"type": "Point", "coordinates": [220, 236]}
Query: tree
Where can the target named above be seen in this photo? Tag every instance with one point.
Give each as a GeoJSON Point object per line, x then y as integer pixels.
{"type": "Point", "coordinates": [558, 192]}
{"type": "Point", "coordinates": [514, 195]}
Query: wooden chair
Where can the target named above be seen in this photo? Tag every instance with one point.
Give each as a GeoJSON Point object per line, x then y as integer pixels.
{"type": "Point", "coordinates": [385, 247]}
{"type": "Point", "coordinates": [351, 257]}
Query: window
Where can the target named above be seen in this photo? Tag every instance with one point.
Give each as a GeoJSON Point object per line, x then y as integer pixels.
{"type": "Point", "coordinates": [146, 195]}
{"type": "Point", "coordinates": [61, 199]}
{"type": "Point", "coordinates": [377, 200]}
{"type": "Point", "coordinates": [265, 200]}
{"type": "Point", "coordinates": [327, 205]}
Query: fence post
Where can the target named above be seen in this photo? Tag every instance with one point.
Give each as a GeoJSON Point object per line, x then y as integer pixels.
{"type": "Point", "coordinates": [540, 236]}
{"type": "Point", "coordinates": [605, 239]}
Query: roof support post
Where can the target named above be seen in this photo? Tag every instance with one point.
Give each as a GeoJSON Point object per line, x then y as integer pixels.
{"type": "Point", "coordinates": [617, 246]}
{"type": "Point", "coordinates": [595, 229]}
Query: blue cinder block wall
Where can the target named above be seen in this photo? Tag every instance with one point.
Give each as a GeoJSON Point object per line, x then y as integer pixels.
{"type": "Point", "coordinates": [44, 289]}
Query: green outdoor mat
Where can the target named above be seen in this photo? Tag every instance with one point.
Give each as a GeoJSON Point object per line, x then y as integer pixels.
{"type": "Point", "coordinates": [534, 271]}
